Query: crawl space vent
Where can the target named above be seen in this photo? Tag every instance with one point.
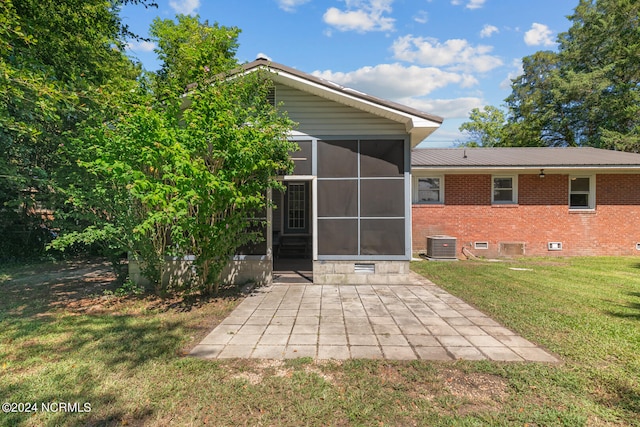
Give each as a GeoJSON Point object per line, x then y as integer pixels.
{"type": "Point", "coordinates": [511, 248]}
{"type": "Point", "coordinates": [365, 268]}
{"type": "Point", "coordinates": [481, 245]}
{"type": "Point", "coordinates": [554, 246]}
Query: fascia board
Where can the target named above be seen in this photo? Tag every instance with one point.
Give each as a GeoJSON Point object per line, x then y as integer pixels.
{"type": "Point", "coordinates": [548, 170]}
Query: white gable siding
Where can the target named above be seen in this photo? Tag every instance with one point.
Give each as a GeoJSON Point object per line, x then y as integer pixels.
{"type": "Point", "coordinates": [320, 117]}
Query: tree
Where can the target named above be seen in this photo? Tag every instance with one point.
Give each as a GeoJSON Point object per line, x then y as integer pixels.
{"type": "Point", "coordinates": [537, 116]}
{"type": "Point", "coordinates": [602, 50]}
{"type": "Point", "coordinates": [189, 50]}
{"type": "Point", "coordinates": [587, 93]}
{"type": "Point", "coordinates": [486, 128]}
{"type": "Point", "coordinates": [182, 175]}
{"type": "Point", "coordinates": [59, 61]}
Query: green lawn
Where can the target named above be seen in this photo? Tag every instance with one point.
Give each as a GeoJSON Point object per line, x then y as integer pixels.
{"type": "Point", "coordinates": [62, 340]}
{"type": "Point", "coordinates": [587, 310]}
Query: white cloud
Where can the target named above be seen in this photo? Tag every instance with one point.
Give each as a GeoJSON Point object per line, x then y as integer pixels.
{"type": "Point", "coordinates": [361, 16]}
{"type": "Point", "coordinates": [263, 56]}
{"type": "Point", "coordinates": [290, 5]}
{"type": "Point", "coordinates": [456, 54]}
{"type": "Point", "coordinates": [471, 4]}
{"type": "Point", "coordinates": [141, 46]}
{"type": "Point", "coordinates": [539, 34]}
{"type": "Point", "coordinates": [456, 108]}
{"type": "Point", "coordinates": [516, 71]}
{"type": "Point", "coordinates": [488, 31]}
{"type": "Point", "coordinates": [186, 7]}
{"type": "Point", "coordinates": [396, 81]}
{"type": "Point", "coordinates": [422, 17]}
{"type": "Point", "coordinates": [475, 4]}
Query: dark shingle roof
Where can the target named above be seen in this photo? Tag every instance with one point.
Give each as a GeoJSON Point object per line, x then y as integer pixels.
{"type": "Point", "coordinates": [521, 157]}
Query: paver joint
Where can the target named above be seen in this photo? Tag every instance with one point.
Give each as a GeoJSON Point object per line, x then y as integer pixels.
{"type": "Point", "coordinates": [400, 322]}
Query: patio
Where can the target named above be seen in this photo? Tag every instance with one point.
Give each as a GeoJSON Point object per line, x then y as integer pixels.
{"type": "Point", "coordinates": [399, 322]}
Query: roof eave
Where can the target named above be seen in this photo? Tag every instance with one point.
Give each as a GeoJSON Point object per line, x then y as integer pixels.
{"type": "Point", "coordinates": [533, 168]}
{"type": "Point", "coordinates": [419, 125]}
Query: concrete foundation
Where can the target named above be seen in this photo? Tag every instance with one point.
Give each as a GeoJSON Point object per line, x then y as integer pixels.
{"type": "Point", "coordinates": [254, 269]}
{"type": "Point", "coordinates": [361, 272]}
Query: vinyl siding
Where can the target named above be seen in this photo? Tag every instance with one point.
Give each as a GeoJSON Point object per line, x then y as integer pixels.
{"type": "Point", "coordinates": [318, 116]}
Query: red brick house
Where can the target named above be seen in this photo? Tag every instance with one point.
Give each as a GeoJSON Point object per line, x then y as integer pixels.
{"type": "Point", "coordinates": [527, 201]}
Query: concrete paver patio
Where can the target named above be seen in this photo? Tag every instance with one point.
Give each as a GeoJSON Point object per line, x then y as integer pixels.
{"type": "Point", "coordinates": [415, 321]}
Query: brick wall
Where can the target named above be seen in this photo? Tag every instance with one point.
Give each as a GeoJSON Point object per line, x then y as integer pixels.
{"type": "Point", "coordinates": [542, 215]}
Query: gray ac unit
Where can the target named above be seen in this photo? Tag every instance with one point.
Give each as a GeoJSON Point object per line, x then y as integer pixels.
{"type": "Point", "coordinates": [441, 247]}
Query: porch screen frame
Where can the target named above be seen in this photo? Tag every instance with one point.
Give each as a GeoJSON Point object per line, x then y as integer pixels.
{"type": "Point", "coordinates": [403, 211]}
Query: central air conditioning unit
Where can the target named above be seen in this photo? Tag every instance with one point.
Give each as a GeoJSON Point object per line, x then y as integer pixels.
{"type": "Point", "coordinates": [441, 247]}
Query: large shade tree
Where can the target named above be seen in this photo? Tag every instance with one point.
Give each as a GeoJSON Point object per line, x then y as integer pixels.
{"type": "Point", "coordinates": [585, 94]}
{"type": "Point", "coordinates": [177, 173]}
{"type": "Point", "coordinates": [59, 61]}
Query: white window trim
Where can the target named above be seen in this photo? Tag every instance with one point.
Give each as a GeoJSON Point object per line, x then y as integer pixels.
{"type": "Point", "coordinates": [299, 205]}
{"type": "Point", "coordinates": [416, 192]}
{"type": "Point", "coordinates": [514, 189]}
{"type": "Point", "coordinates": [592, 193]}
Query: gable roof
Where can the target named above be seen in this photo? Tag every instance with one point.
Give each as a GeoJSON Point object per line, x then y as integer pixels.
{"type": "Point", "coordinates": [522, 158]}
{"type": "Point", "coordinates": [417, 123]}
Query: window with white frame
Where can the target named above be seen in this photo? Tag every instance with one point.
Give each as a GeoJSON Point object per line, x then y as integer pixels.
{"type": "Point", "coordinates": [430, 190]}
{"type": "Point", "coordinates": [504, 189]}
{"type": "Point", "coordinates": [582, 192]}
{"type": "Point", "coordinates": [296, 209]}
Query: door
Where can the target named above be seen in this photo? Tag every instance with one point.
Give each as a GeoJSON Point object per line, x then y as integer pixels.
{"type": "Point", "coordinates": [296, 208]}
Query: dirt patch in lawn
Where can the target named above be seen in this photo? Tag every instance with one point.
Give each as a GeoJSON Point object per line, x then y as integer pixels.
{"type": "Point", "coordinates": [478, 391]}
{"type": "Point", "coordinates": [75, 286]}
{"type": "Point", "coordinates": [88, 286]}
{"type": "Point", "coordinates": [256, 371]}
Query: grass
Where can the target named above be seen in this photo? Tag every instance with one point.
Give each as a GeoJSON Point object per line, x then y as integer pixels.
{"type": "Point", "coordinates": [587, 310]}
{"type": "Point", "coordinates": [63, 339]}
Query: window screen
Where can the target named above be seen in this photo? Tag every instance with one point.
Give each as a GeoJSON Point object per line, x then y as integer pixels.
{"type": "Point", "coordinates": [338, 198]}
{"type": "Point", "coordinates": [382, 236]}
{"type": "Point", "coordinates": [361, 196]}
{"type": "Point", "coordinates": [337, 159]}
{"type": "Point", "coordinates": [255, 248]}
{"type": "Point", "coordinates": [381, 158]}
{"type": "Point", "coordinates": [302, 158]}
{"type": "Point", "coordinates": [337, 236]}
{"type": "Point", "coordinates": [381, 197]}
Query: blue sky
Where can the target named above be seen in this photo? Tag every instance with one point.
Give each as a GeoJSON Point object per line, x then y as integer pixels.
{"type": "Point", "coordinates": [443, 57]}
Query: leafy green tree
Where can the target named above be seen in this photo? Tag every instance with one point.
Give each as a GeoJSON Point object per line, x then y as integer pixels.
{"type": "Point", "coordinates": [59, 61]}
{"type": "Point", "coordinates": [166, 182]}
{"type": "Point", "coordinates": [536, 115]}
{"type": "Point", "coordinates": [181, 175]}
{"type": "Point", "coordinates": [602, 49]}
{"type": "Point", "coordinates": [238, 144]}
{"type": "Point", "coordinates": [190, 50]}
{"type": "Point", "coordinates": [588, 92]}
{"type": "Point", "coordinates": [485, 128]}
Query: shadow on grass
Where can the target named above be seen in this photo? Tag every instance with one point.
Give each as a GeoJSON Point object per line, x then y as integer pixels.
{"type": "Point", "coordinates": [38, 288]}
{"type": "Point", "coordinates": [630, 310]}
{"type": "Point", "coordinates": [68, 360]}
{"type": "Point", "coordinates": [622, 394]}
{"type": "Point", "coordinates": [62, 343]}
